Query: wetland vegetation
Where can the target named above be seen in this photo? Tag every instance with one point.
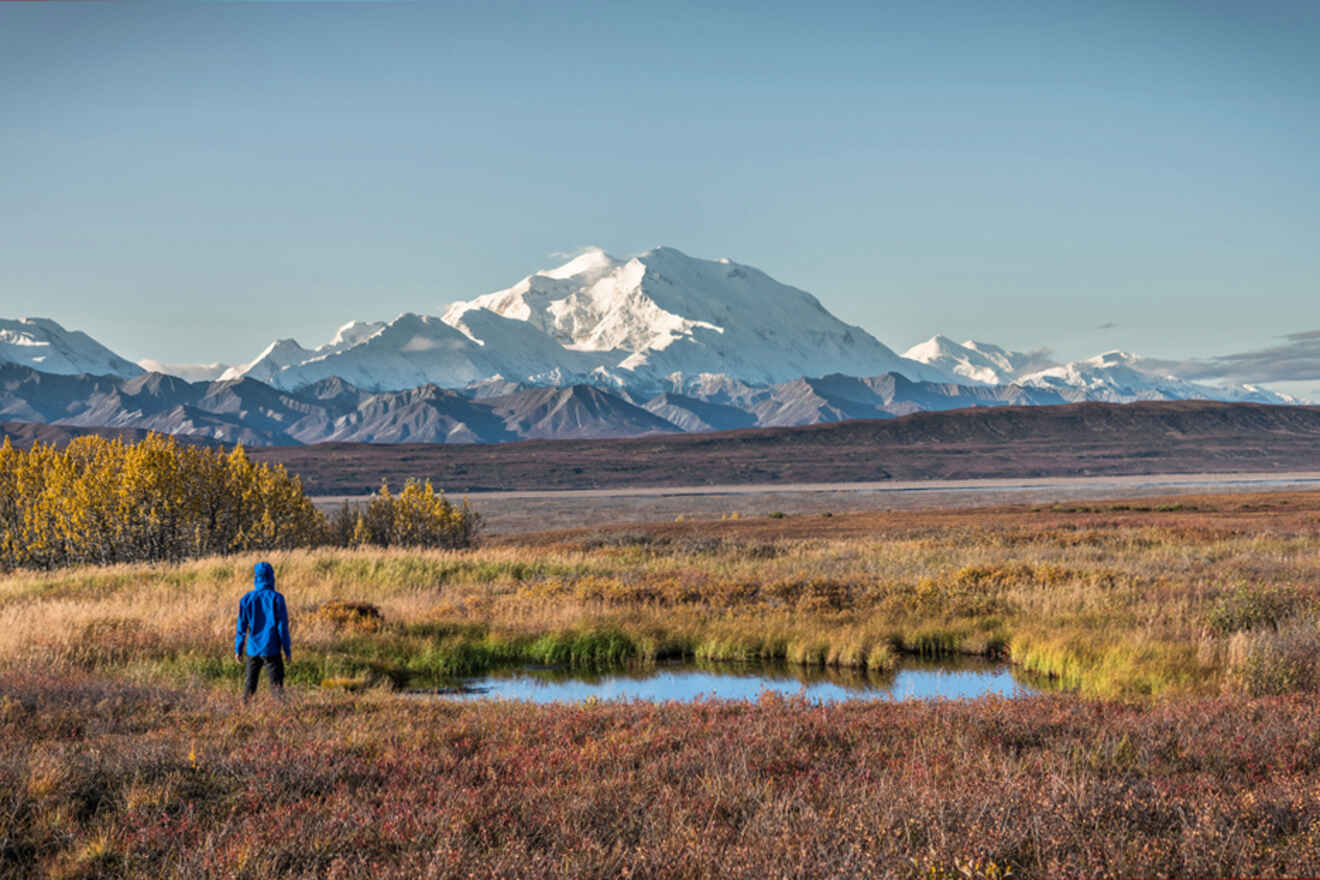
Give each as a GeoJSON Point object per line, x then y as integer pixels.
{"type": "Point", "coordinates": [1183, 634]}
{"type": "Point", "coordinates": [1204, 596]}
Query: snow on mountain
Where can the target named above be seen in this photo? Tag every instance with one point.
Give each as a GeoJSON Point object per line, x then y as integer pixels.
{"type": "Point", "coordinates": [663, 322]}
{"type": "Point", "coordinates": [351, 334]}
{"type": "Point", "coordinates": [1120, 377]}
{"type": "Point", "coordinates": [44, 345]}
{"type": "Point", "coordinates": [978, 361]}
{"type": "Point", "coordinates": [189, 372]}
{"type": "Point", "coordinates": [664, 312]}
{"type": "Point", "coordinates": [593, 303]}
{"type": "Point", "coordinates": [1014, 363]}
{"type": "Point", "coordinates": [410, 351]}
{"type": "Point", "coordinates": [279, 355]}
{"type": "Point", "coordinates": [519, 349]}
{"type": "Point", "coordinates": [695, 341]}
{"type": "Point", "coordinates": [716, 388]}
{"type": "Point", "coordinates": [1115, 376]}
{"type": "Point", "coordinates": [414, 350]}
{"type": "Point", "coordinates": [960, 360]}
{"type": "Point", "coordinates": [618, 324]}
{"type": "Point", "coordinates": [284, 353]}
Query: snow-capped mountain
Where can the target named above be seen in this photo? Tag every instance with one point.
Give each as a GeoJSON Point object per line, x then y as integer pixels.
{"type": "Point", "coordinates": [653, 343]}
{"type": "Point", "coordinates": [284, 353]}
{"type": "Point", "coordinates": [44, 345]}
{"type": "Point", "coordinates": [1119, 377]}
{"type": "Point", "coordinates": [961, 360]}
{"type": "Point", "coordinates": [414, 350]}
{"type": "Point", "coordinates": [663, 312]}
{"type": "Point", "coordinates": [1115, 376]}
{"type": "Point", "coordinates": [613, 323]}
{"type": "Point", "coordinates": [978, 361]}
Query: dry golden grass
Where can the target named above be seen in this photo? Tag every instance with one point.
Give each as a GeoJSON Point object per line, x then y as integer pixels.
{"type": "Point", "coordinates": [1121, 598]}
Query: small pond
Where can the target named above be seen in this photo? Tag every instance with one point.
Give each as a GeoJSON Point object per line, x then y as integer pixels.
{"type": "Point", "coordinates": [914, 680]}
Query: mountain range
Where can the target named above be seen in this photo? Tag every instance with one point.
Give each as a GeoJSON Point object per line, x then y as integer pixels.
{"type": "Point", "coordinates": [597, 347]}
{"type": "Point", "coordinates": [1015, 442]}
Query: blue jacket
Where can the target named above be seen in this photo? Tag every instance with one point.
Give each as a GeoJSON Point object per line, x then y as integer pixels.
{"type": "Point", "coordinates": [262, 617]}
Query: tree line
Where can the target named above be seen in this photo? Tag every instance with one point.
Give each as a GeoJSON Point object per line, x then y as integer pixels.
{"type": "Point", "coordinates": [102, 501]}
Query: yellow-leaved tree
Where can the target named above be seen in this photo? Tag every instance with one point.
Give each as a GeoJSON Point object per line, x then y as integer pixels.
{"type": "Point", "coordinates": [419, 516]}
{"type": "Point", "coordinates": [104, 501]}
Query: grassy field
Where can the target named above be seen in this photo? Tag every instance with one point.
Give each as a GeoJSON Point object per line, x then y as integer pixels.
{"type": "Point", "coordinates": [106, 779]}
{"type": "Point", "coordinates": [1202, 596]}
{"type": "Point", "coordinates": [1183, 635]}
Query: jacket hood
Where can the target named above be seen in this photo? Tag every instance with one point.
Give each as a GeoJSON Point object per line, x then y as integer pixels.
{"type": "Point", "coordinates": [263, 576]}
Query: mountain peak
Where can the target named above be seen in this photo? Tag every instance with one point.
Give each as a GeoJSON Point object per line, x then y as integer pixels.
{"type": "Point", "coordinates": [354, 332]}
{"type": "Point", "coordinates": [43, 344]}
{"type": "Point", "coordinates": [663, 311]}
{"type": "Point", "coordinates": [961, 360]}
{"type": "Point", "coordinates": [937, 345]}
{"type": "Point", "coordinates": [592, 260]}
{"type": "Point", "coordinates": [665, 252]}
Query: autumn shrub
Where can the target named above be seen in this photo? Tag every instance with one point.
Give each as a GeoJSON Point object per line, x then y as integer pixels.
{"type": "Point", "coordinates": [349, 616]}
{"type": "Point", "coordinates": [1250, 607]}
{"type": "Point", "coordinates": [1278, 660]}
{"type": "Point", "coordinates": [102, 501]}
{"type": "Point", "coordinates": [418, 516]}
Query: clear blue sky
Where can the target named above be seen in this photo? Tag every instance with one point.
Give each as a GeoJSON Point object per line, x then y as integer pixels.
{"type": "Point", "coordinates": [189, 181]}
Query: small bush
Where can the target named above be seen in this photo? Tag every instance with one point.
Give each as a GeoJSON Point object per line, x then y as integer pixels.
{"type": "Point", "coordinates": [1279, 661]}
{"type": "Point", "coordinates": [1248, 608]}
{"type": "Point", "coordinates": [626, 539]}
{"type": "Point", "coordinates": [418, 516]}
{"type": "Point", "coordinates": [695, 546]}
{"type": "Point", "coordinates": [762, 550]}
{"type": "Point", "coordinates": [351, 616]}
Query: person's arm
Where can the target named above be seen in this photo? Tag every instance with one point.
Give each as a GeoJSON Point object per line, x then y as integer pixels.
{"type": "Point", "coordinates": [282, 620]}
{"type": "Point", "coordinates": [240, 629]}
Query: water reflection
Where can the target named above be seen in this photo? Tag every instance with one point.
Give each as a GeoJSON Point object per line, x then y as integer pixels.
{"type": "Point", "coordinates": [961, 678]}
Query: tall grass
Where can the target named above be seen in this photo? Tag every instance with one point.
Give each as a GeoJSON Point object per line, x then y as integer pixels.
{"type": "Point", "coordinates": [1117, 606]}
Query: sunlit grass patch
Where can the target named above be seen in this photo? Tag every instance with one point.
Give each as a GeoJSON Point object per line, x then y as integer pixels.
{"type": "Point", "coordinates": [1105, 603]}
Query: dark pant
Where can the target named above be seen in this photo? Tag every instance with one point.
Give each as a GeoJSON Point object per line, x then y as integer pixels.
{"type": "Point", "coordinates": [274, 671]}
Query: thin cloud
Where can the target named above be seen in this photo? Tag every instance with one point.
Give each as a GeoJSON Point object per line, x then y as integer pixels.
{"type": "Point", "coordinates": [1034, 361]}
{"type": "Point", "coordinates": [1296, 360]}
{"type": "Point", "coordinates": [573, 254]}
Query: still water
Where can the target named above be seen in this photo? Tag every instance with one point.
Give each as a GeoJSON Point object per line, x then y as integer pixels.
{"type": "Point", "coordinates": [915, 680]}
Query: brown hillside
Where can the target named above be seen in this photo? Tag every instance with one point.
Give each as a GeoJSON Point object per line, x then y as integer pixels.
{"type": "Point", "coordinates": [1037, 441]}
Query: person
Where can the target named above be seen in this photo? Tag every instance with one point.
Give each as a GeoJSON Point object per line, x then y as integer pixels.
{"type": "Point", "coordinates": [263, 622]}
